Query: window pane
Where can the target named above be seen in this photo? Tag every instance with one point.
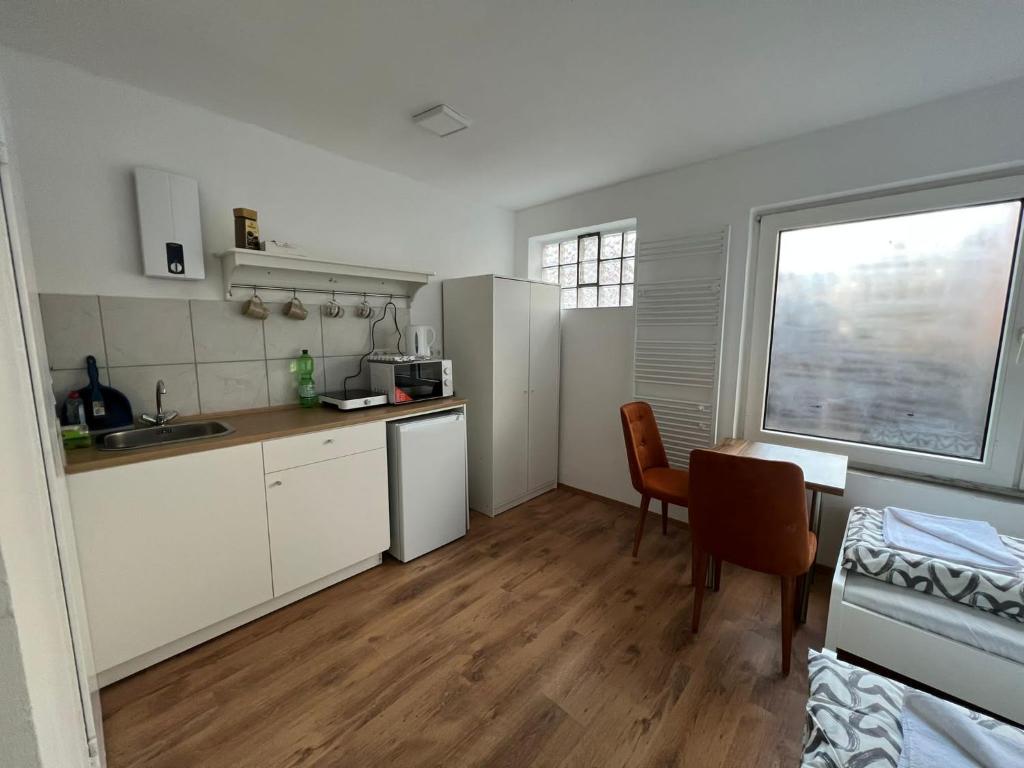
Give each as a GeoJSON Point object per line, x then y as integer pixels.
{"type": "Point", "coordinates": [629, 243]}
{"type": "Point", "coordinates": [627, 270]}
{"type": "Point", "coordinates": [588, 297]}
{"type": "Point", "coordinates": [588, 272]}
{"type": "Point", "coordinates": [567, 277]}
{"type": "Point", "coordinates": [589, 245]}
{"type": "Point", "coordinates": [626, 298]}
{"type": "Point", "coordinates": [610, 271]}
{"type": "Point", "coordinates": [608, 296]}
{"type": "Point", "coordinates": [549, 255]}
{"type": "Point", "coordinates": [611, 246]}
{"type": "Point", "coordinates": [887, 331]}
{"type": "Point", "coordinates": [569, 299]}
{"type": "Point", "coordinates": [549, 274]}
{"type": "Point", "coordinates": [567, 252]}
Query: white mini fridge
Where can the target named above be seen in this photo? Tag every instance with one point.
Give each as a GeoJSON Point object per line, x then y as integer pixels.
{"type": "Point", "coordinates": [427, 483]}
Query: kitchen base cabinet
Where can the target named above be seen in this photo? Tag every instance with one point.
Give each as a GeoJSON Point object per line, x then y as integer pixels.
{"type": "Point", "coordinates": [176, 551]}
{"type": "Point", "coordinates": [327, 515]}
{"type": "Point", "coordinates": [113, 674]}
{"type": "Point", "coordinates": [170, 546]}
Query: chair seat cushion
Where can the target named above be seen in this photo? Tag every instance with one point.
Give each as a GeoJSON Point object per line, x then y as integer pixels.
{"type": "Point", "coordinates": [751, 553]}
{"type": "Point", "coordinates": [671, 485]}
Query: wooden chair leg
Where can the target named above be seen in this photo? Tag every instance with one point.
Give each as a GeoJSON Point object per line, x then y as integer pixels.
{"type": "Point", "coordinates": [664, 518]}
{"type": "Point", "coordinates": [718, 573]}
{"type": "Point", "coordinates": [645, 502]}
{"type": "Point", "coordinates": [788, 597]}
{"type": "Point", "coordinates": [700, 571]}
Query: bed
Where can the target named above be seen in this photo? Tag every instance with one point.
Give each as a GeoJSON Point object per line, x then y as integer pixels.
{"type": "Point", "coordinates": [948, 627]}
{"type": "Point", "coordinates": [854, 717]}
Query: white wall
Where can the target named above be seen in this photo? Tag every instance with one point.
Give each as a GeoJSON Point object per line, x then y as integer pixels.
{"type": "Point", "coordinates": [967, 132]}
{"type": "Point", "coordinates": [79, 136]}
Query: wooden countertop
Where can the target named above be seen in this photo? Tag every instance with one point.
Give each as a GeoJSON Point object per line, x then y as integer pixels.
{"type": "Point", "coordinates": [253, 427]}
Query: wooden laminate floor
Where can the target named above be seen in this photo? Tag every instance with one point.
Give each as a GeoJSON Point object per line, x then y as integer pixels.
{"type": "Point", "coordinates": [535, 641]}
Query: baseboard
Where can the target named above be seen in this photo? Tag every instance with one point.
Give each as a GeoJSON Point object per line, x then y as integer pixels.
{"type": "Point", "coordinates": [654, 510]}
{"type": "Point", "coordinates": [495, 511]}
{"type": "Point", "coordinates": [164, 652]}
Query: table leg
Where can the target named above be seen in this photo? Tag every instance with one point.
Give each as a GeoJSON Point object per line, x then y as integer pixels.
{"type": "Point", "coordinates": [808, 578]}
{"type": "Point", "coordinates": [711, 579]}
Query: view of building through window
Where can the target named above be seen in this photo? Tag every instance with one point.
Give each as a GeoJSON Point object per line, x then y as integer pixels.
{"type": "Point", "coordinates": [594, 270]}
{"type": "Point", "coordinates": [887, 331]}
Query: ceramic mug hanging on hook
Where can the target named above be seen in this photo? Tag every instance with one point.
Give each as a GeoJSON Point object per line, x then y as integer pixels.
{"type": "Point", "coordinates": [255, 308]}
{"type": "Point", "coordinates": [295, 309]}
{"type": "Point", "coordinates": [364, 310]}
{"type": "Point", "coordinates": [332, 308]}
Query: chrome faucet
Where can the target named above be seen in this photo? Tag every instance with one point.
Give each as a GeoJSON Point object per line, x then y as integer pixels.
{"type": "Point", "coordinates": [162, 416]}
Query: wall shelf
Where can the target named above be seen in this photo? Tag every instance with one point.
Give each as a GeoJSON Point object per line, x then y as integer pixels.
{"type": "Point", "coordinates": [293, 272]}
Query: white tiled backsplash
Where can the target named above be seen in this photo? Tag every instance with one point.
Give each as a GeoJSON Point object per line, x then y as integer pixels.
{"type": "Point", "coordinates": [211, 357]}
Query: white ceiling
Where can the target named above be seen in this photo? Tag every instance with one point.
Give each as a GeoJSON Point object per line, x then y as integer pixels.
{"type": "Point", "coordinates": [565, 95]}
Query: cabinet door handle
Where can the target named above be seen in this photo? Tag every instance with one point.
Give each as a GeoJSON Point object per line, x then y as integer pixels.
{"type": "Point", "coordinates": [329, 441]}
{"type": "Point", "coordinates": [276, 483]}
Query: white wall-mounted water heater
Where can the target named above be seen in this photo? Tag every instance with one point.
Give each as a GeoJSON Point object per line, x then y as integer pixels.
{"type": "Point", "coordinates": [172, 242]}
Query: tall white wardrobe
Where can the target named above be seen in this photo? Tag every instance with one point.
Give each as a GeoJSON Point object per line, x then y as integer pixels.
{"type": "Point", "coordinates": [503, 337]}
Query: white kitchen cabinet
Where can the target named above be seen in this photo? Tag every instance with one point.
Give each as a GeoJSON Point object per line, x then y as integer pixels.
{"type": "Point", "coordinates": [169, 546]}
{"type": "Point", "coordinates": [326, 516]}
{"type": "Point", "coordinates": [503, 337]}
{"type": "Point", "coordinates": [175, 551]}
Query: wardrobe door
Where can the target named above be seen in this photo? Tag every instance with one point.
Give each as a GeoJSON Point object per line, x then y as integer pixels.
{"type": "Point", "coordinates": [545, 343]}
{"type": "Point", "coordinates": [511, 389]}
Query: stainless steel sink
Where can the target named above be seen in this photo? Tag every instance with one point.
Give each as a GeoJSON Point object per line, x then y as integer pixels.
{"type": "Point", "coordinates": [148, 437]}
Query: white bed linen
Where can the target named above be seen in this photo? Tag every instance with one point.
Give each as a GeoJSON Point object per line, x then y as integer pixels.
{"type": "Point", "coordinates": [980, 629]}
{"type": "Point", "coordinates": [973, 543]}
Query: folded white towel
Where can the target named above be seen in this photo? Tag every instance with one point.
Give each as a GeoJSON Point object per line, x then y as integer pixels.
{"type": "Point", "coordinates": [937, 734]}
{"type": "Point", "coordinates": [966, 542]}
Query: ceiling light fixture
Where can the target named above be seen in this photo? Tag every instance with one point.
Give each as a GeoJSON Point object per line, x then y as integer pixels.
{"type": "Point", "coordinates": [442, 120]}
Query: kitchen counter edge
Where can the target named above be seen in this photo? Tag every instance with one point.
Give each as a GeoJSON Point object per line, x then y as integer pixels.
{"type": "Point", "coordinates": [253, 426]}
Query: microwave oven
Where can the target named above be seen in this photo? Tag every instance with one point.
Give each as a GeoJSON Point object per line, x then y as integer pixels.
{"type": "Point", "coordinates": [410, 380]}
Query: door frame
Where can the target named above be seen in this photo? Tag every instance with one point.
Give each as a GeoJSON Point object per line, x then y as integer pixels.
{"type": "Point", "coordinates": [79, 734]}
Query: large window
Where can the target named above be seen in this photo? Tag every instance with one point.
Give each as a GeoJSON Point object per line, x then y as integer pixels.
{"type": "Point", "coordinates": [594, 270]}
{"type": "Point", "coordinates": [888, 332]}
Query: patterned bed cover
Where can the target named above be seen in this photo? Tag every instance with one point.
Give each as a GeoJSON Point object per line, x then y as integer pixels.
{"type": "Point", "coordinates": [865, 551]}
{"type": "Point", "coordinates": [853, 717]}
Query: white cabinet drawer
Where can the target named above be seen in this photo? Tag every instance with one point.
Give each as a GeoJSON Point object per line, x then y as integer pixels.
{"type": "Point", "coordinates": [297, 451]}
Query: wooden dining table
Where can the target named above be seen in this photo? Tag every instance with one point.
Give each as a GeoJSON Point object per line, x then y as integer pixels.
{"type": "Point", "coordinates": [823, 473]}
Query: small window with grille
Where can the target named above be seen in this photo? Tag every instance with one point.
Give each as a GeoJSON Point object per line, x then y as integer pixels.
{"type": "Point", "coordinates": [593, 270]}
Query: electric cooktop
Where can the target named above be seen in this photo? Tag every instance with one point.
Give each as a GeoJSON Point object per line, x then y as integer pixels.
{"type": "Point", "coordinates": [350, 399]}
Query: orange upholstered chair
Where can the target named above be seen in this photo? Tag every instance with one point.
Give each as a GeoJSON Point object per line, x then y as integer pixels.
{"type": "Point", "coordinates": [648, 466]}
{"type": "Point", "coordinates": [753, 513]}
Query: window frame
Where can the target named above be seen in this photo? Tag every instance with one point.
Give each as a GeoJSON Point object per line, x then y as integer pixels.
{"type": "Point", "coordinates": [1000, 465]}
{"type": "Point", "coordinates": [600, 234]}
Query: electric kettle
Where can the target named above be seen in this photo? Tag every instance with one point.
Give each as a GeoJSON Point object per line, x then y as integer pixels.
{"type": "Point", "coordinates": [422, 336]}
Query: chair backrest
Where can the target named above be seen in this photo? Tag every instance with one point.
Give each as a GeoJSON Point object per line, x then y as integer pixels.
{"type": "Point", "coordinates": [644, 449]}
{"type": "Point", "coordinates": [752, 512]}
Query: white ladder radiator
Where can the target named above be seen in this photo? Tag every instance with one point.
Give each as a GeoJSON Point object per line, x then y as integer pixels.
{"type": "Point", "coordinates": [679, 337]}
